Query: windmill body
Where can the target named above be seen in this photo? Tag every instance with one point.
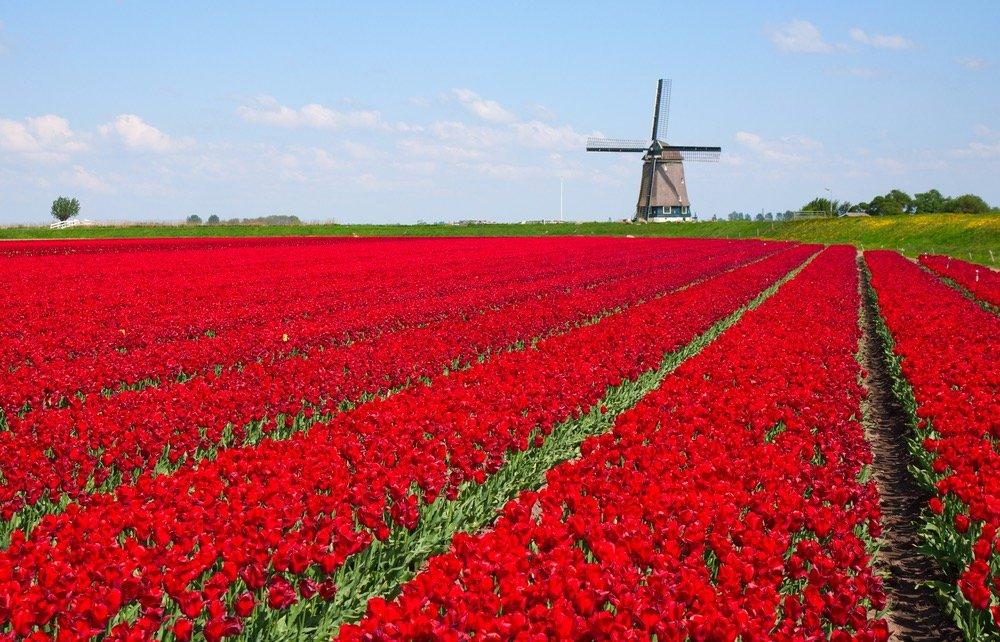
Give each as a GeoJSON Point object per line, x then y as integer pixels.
{"type": "Point", "coordinates": [662, 189]}
{"type": "Point", "coordinates": [669, 198]}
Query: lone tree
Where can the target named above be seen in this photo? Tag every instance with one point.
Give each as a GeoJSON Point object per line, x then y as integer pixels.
{"type": "Point", "coordinates": [64, 208]}
{"type": "Point", "coordinates": [194, 219]}
{"type": "Point", "coordinates": [213, 219]}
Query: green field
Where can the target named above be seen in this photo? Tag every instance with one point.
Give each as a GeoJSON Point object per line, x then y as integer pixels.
{"type": "Point", "coordinates": [969, 237]}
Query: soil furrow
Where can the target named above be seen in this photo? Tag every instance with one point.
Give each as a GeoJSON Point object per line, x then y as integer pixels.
{"type": "Point", "coordinates": [914, 611]}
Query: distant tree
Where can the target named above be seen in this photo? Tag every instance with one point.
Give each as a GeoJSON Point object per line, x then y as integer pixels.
{"type": "Point", "coordinates": [194, 219]}
{"type": "Point", "coordinates": [929, 202]}
{"type": "Point", "coordinates": [903, 199]}
{"type": "Point", "coordinates": [820, 206]}
{"type": "Point", "coordinates": [64, 208]}
{"type": "Point", "coordinates": [213, 219]}
{"type": "Point", "coordinates": [894, 203]}
{"type": "Point", "coordinates": [884, 206]}
{"type": "Point", "coordinates": [769, 217]}
{"type": "Point", "coordinates": [968, 204]}
{"type": "Point", "coordinates": [277, 219]}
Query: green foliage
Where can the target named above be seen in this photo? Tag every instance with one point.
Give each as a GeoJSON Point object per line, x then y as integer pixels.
{"type": "Point", "coordinates": [64, 208]}
{"type": "Point", "coordinates": [930, 202]}
{"type": "Point", "coordinates": [194, 219]}
{"type": "Point", "coordinates": [901, 199]}
{"type": "Point", "coordinates": [894, 203]}
{"type": "Point", "coordinates": [968, 204]}
{"type": "Point", "coordinates": [828, 207]}
{"type": "Point", "coordinates": [213, 219]}
{"type": "Point", "coordinates": [273, 219]}
{"type": "Point", "coordinates": [885, 206]}
{"type": "Point", "coordinates": [821, 205]}
{"type": "Point", "coordinates": [898, 202]}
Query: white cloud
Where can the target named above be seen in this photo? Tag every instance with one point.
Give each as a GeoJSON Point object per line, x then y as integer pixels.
{"type": "Point", "coordinates": [983, 130]}
{"type": "Point", "coordinates": [319, 158]}
{"type": "Point", "coordinates": [799, 36]}
{"type": "Point", "coordinates": [136, 134]}
{"type": "Point", "coordinates": [881, 41]}
{"type": "Point", "coordinates": [988, 148]}
{"type": "Point", "coordinates": [980, 150]}
{"type": "Point", "coordinates": [511, 171]}
{"type": "Point", "coordinates": [425, 168]}
{"type": "Point", "coordinates": [488, 110]}
{"type": "Point", "coordinates": [437, 150]}
{"type": "Point", "coordinates": [973, 63]}
{"type": "Point", "coordinates": [469, 135]}
{"type": "Point", "coordinates": [856, 72]}
{"type": "Point", "coordinates": [47, 138]}
{"type": "Point", "coordinates": [788, 149]}
{"type": "Point", "coordinates": [360, 151]}
{"type": "Point", "coordinates": [82, 177]}
{"type": "Point", "coordinates": [541, 112]}
{"type": "Point", "coordinates": [544, 136]}
{"type": "Point", "coordinates": [266, 110]}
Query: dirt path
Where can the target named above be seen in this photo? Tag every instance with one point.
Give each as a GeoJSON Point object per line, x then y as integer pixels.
{"type": "Point", "coordinates": [914, 612]}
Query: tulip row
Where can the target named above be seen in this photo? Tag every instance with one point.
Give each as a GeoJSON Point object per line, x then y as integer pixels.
{"type": "Point", "coordinates": [200, 547]}
{"type": "Point", "coordinates": [266, 316]}
{"type": "Point", "coordinates": [52, 456]}
{"type": "Point", "coordinates": [979, 280]}
{"type": "Point", "coordinates": [382, 567]}
{"type": "Point", "coordinates": [944, 352]}
{"type": "Point", "coordinates": [728, 504]}
{"type": "Point", "coordinates": [106, 287]}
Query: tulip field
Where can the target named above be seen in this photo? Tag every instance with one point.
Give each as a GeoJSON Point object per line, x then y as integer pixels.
{"type": "Point", "coordinates": [488, 439]}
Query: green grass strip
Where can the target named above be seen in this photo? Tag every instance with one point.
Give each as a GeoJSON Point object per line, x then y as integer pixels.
{"type": "Point", "coordinates": [970, 237]}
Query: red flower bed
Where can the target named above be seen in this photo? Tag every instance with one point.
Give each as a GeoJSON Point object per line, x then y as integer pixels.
{"type": "Point", "coordinates": [950, 352]}
{"type": "Point", "coordinates": [51, 452]}
{"type": "Point", "coordinates": [278, 518]}
{"type": "Point", "coordinates": [981, 281]}
{"type": "Point", "coordinates": [83, 331]}
{"type": "Point", "coordinates": [725, 505]}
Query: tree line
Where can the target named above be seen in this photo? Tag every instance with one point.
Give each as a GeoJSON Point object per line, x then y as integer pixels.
{"type": "Point", "coordinates": [274, 219]}
{"type": "Point", "coordinates": [898, 202]}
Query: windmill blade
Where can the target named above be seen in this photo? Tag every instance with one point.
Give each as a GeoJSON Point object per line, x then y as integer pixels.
{"type": "Point", "coordinates": [695, 152]}
{"type": "Point", "coordinates": [662, 117]}
{"type": "Point", "coordinates": [616, 145]}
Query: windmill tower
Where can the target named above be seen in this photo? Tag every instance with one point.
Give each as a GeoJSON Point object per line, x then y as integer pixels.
{"type": "Point", "coordinates": [662, 191]}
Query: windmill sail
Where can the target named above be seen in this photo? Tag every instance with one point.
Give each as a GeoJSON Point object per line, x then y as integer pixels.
{"type": "Point", "coordinates": [662, 118]}
{"type": "Point", "coordinates": [694, 152]}
{"type": "Point", "coordinates": [615, 145]}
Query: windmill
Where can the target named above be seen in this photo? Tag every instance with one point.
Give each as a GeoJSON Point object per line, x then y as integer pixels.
{"type": "Point", "coordinates": [662, 192]}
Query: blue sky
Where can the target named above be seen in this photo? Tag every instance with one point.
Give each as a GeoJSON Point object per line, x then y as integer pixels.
{"type": "Point", "coordinates": [399, 112]}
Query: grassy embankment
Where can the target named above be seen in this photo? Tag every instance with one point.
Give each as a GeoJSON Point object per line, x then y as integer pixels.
{"type": "Point", "coordinates": [969, 237]}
